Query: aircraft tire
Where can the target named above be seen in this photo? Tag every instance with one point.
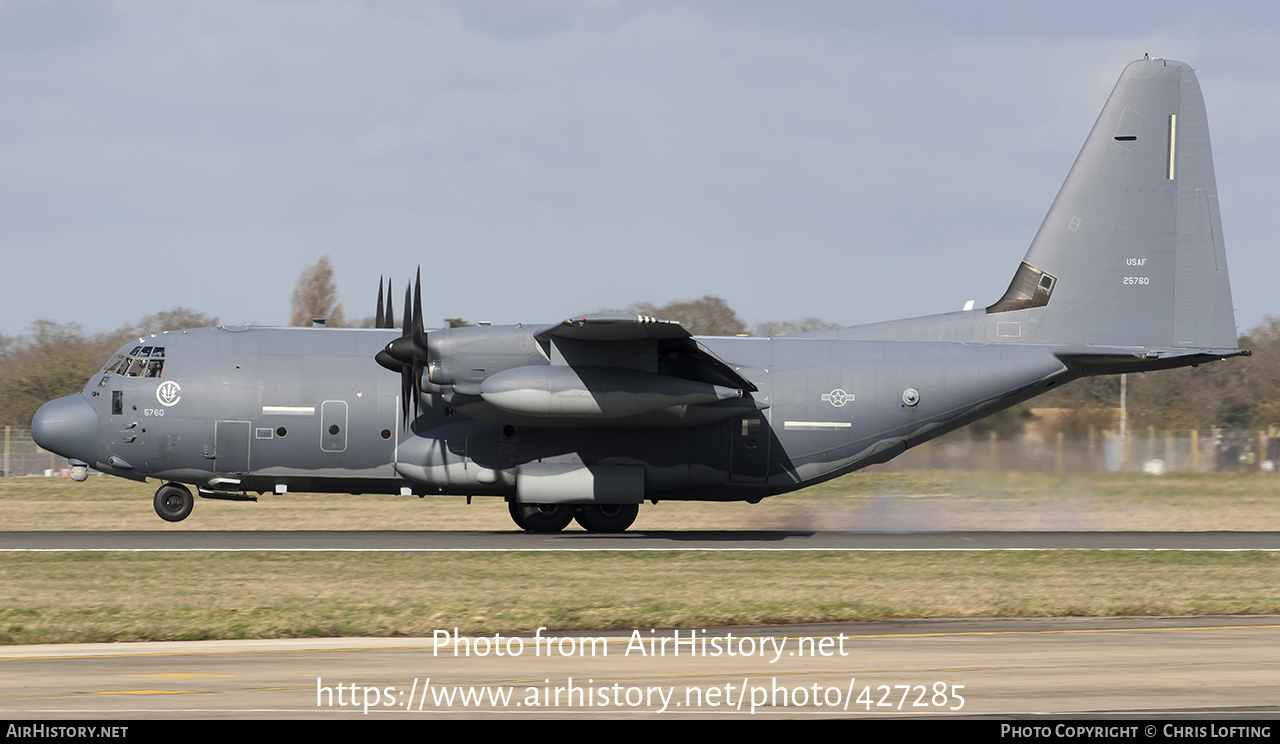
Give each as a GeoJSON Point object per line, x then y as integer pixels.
{"type": "Point", "coordinates": [173, 502]}
{"type": "Point", "coordinates": [541, 517]}
{"type": "Point", "coordinates": [607, 517]}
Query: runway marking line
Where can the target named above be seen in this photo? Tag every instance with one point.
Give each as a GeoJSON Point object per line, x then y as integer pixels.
{"type": "Point", "coordinates": [636, 550]}
{"type": "Point", "coordinates": [163, 692]}
{"type": "Point", "coordinates": [181, 675]}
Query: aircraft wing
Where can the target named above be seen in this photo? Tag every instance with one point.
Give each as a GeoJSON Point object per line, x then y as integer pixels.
{"type": "Point", "coordinates": [616, 327]}
{"type": "Point", "coordinates": [623, 327]}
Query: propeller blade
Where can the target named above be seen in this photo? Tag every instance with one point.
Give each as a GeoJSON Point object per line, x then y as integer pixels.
{"type": "Point", "coordinates": [406, 390]}
{"type": "Point", "coordinates": [408, 311]}
{"type": "Point", "coordinates": [419, 335]}
{"type": "Point", "coordinates": [379, 320]}
{"type": "Point", "coordinates": [417, 386]}
{"type": "Point", "coordinates": [391, 316]}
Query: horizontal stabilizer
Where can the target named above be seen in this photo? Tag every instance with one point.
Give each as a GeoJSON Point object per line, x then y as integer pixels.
{"type": "Point", "coordinates": [1101, 360]}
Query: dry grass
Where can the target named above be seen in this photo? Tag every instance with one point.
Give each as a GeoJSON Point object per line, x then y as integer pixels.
{"type": "Point", "coordinates": [110, 597]}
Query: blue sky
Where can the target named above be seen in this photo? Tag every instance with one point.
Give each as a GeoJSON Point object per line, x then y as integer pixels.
{"type": "Point", "coordinates": [847, 161]}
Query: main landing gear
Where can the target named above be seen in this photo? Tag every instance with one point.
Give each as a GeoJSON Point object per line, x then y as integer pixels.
{"type": "Point", "coordinates": [555, 517]}
{"type": "Point", "coordinates": [173, 502]}
{"type": "Point", "coordinates": [607, 517]}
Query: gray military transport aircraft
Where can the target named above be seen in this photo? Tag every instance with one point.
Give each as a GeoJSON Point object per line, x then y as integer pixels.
{"type": "Point", "coordinates": [586, 418]}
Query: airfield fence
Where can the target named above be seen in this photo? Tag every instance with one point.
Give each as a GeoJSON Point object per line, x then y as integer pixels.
{"type": "Point", "coordinates": [1146, 450]}
{"type": "Point", "coordinates": [22, 456]}
{"type": "Point", "coordinates": [1149, 450]}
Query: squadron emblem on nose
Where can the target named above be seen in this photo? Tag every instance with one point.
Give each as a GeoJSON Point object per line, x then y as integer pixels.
{"type": "Point", "coordinates": [837, 397]}
{"type": "Point", "coordinates": [168, 393]}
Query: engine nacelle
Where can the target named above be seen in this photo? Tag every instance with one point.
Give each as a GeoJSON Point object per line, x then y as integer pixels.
{"type": "Point", "coordinates": [557, 391]}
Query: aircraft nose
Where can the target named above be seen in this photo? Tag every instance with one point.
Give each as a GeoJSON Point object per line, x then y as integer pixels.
{"type": "Point", "coordinates": [67, 426]}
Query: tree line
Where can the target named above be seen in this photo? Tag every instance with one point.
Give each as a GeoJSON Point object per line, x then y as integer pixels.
{"type": "Point", "coordinates": [56, 359]}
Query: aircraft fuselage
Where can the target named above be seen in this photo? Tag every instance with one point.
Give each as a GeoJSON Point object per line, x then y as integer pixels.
{"type": "Point", "coordinates": [276, 409]}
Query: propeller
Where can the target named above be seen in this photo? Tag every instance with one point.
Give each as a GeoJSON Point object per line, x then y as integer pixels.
{"type": "Point", "coordinates": [385, 319]}
{"type": "Point", "coordinates": [407, 354]}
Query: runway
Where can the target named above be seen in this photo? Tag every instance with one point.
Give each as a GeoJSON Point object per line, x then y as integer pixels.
{"type": "Point", "coordinates": [1172, 668]}
{"type": "Point", "coordinates": [1122, 668]}
{"type": "Point", "coordinates": [784, 540]}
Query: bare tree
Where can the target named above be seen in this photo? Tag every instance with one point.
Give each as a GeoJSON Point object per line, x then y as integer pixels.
{"type": "Point", "coordinates": [179, 318]}
{"type": "Point", "coordinates": [53, 360]}
{"type": "Point", "coordinates": [706, 316]}
{"type": "Point", "coordinates": [804, 325]}
{"type": "Point", "coordinates": [314, 296]}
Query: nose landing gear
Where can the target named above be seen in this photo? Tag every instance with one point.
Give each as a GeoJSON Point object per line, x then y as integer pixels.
{"type": "Point", "coordinates": [173, 502]}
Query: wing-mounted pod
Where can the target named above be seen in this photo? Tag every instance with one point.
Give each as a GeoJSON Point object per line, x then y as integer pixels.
{"type": "Point", "coordinates": [594, 392]}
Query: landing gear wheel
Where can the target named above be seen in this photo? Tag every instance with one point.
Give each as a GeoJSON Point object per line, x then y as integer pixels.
{"type": "Point", "coordinates": [173, 502]}
{"type": "Point", "coordinates": [607, 517]}
{"type": "Point", "coordinates": [541, 517]}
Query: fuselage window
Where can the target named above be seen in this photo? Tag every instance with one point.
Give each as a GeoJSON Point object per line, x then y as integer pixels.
{"type": "Point", "coordinates": [117, 402]}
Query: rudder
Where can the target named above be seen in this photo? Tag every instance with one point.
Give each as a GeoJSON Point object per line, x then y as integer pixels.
{"type": "Point", "coordinates": [1131, 252]}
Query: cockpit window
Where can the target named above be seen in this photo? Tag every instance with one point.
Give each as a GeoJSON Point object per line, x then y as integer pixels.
{"type": "Point", "coordinates": [142, 361]}
{"type": "Point", "coordinates": [115, 362]}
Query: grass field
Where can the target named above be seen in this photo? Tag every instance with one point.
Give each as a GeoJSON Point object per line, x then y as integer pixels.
{"type": "Point", "coordinates": [50, 598]}
{"type": "Point", "coordinates": [76, 597]}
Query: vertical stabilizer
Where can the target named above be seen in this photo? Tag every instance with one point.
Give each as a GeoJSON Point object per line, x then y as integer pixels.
{"type": "Point", "coordinates": [1131, 251]}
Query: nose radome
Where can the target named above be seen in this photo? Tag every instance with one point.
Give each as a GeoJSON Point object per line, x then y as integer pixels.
{"type": "Point", "coordinates": [67, 426]}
